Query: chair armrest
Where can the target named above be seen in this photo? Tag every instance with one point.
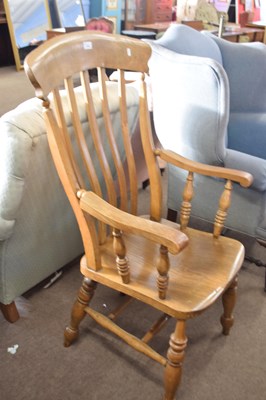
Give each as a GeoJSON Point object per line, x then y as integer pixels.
{"type": "Point", "coordinates": [167, 236]}
{"type": "Point", "coordinates": [254, 165]}
{"type": "Point", "coordinates": [243, 178]}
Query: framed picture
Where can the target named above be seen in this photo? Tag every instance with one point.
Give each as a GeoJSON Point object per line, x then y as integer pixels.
{"type": "Point", "coordinates": [111, 4]}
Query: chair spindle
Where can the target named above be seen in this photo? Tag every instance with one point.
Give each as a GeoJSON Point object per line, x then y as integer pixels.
{"type": "Point", "coordinates": [121, 259]}
{"type": "Point", "coordinates": [163, 265]}
{"type": "Point", "coordinates": [224, 204]}
{"type": "Point", "coordinates": [186, 203]}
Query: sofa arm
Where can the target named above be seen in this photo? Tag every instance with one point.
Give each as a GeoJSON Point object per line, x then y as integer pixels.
{"type": "Point", "coordinates": [247, 133]}
{"type": "Point", "coordinates": [254, 165]}
{"type": "Point", "coordinates": [19, 129]}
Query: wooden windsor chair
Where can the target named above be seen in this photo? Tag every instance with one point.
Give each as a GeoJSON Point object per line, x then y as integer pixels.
{"type": "Point", "coordinates": [172, 268]}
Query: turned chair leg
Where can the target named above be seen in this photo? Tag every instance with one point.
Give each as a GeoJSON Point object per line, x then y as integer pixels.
{"type": "Point", "coordinates": [85, 295]}
{"type": "Point", "coordinates": [10, 311]}
{"type": "Point", "coordinates": [175, 357]}
{"type": "Point", "coordinates": [229, 300]}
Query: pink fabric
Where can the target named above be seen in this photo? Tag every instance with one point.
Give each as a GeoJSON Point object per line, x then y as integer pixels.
{"type": "Point", "coordinates": [99, 25]}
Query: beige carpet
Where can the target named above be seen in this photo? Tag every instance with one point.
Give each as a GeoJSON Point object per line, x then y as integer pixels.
{"type": "Point", "coordinates": [14, 88]}
{"type": "Point", "coordinates": [99, 366]}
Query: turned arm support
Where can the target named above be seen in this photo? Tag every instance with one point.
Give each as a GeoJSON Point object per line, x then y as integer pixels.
{"type": "Point", "coordinates": [167, 236]}
{"type": "Point", "coordinates": [243, 178]}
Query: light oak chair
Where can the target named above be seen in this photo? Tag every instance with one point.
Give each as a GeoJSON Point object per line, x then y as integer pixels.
{"type": "Point", "coordinates": [175, 269]}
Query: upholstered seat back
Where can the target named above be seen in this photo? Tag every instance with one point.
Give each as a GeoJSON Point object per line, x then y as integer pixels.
{"type": "Point", "coordinates": [210, 95]}
{"type": "Point", "coordinates": [185, 40]}
{"type": "Point", "coordinates": [196, 103]}
{"type": "Point", "coordinates": [246, 127]}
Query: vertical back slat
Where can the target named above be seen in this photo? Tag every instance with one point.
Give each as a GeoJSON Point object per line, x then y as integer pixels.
{"type": "Point", "coordinates": [80, 138]}
{"type": "Point", "coordinates": [60, 117]}
{"type": "Point", "coordinates": [150, 157]}
{"type": "Point", "coordinates": [105, 168]}
{"type": "Point", "coordinates": [132, 173]}
{"type": "Point", "coordinates": [83, 149]}
{"type": "Point", "coordinates": [64, 166]}
{"type": "Point", "coordinates": [112, 143]}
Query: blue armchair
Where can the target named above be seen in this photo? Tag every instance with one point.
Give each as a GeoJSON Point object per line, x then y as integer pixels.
{"type": "Point", "coordinates": [211, 93]}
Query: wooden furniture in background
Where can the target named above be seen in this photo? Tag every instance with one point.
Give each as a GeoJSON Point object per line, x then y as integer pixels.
{"type": "Point", "coordinates": [159, 11]}
{"type": "Point", "coordinates": [175, 269]}
{"type": "Point", "coordinates": [6, 52]}
{"type": "Point", "coordinates": [139, 12]}
{"type": "Point", "coordinates": [156, 27]}
{"type": "Point", "coordinates": [248, 34]}
{"type": "Point", "coordinates": [244, 34]}
{"type": "Point", "coordinates": [50, 33]}
{"type": "Point", "coordinates": [27, 25]}
{"type": "Point", "coordinates": [261, 25]}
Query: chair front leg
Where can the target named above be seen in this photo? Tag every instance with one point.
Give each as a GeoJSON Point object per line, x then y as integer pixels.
{"type": "Point", "coordinates": [175, 357]}
{"type": "Point", "coordinates": [229, 300]}
{"type": "Point", "coordinates": [85, 295]}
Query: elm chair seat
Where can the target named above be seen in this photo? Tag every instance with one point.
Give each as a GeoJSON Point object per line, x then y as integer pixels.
{"type": "Point", "coordinates": [210, 106]}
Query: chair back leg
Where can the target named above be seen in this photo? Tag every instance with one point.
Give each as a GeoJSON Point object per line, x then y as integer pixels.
{"type": "Point", "coordinates": [175, 357]}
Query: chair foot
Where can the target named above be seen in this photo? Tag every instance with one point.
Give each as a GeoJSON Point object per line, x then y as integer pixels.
{"type": "Point", "coordinates": [175, 357]}
{"type": "Point", "coordinates": [78, 311]}
{"type": "Point", "coordinates": [10, 311]}
{"type": "Point", "coordinates": [229, 300]}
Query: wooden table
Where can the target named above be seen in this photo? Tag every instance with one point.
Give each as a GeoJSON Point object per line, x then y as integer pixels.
{"type": "Point", "coordinates": [254, 34]}
{"type": "Point", "coordinates": [139, 34]}
{"type": "Point", "coordinates": [156, 27]}
{"type": "Point", "coordinates": [261, 25]}
{"type": "Point", "coordinates": [50, 33]}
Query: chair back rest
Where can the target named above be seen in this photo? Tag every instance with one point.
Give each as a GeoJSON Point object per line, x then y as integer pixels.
{"type": "Point", "coordinates": [190, 104]}
{"type": "Point", "coordinates": [239, 59]}
{"type": "Point", "coordinates": [183, 39]}
{"type": "Point", "coordinates": [90, 135]}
